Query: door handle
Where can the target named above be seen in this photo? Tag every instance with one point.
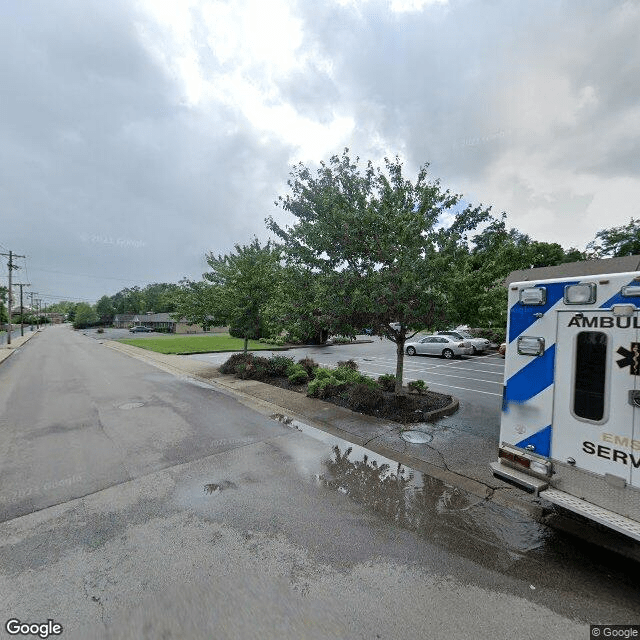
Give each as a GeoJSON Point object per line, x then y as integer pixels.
{"type": "Point", "coordinates": [634, 398]}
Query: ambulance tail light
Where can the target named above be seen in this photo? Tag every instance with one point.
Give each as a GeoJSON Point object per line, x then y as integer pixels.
{"type": "Point", "coordinates": [506, 454]}
{"type": "Point", "coordinates": [536, 465]}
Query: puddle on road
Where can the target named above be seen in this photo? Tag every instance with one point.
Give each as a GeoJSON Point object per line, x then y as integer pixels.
{"type": "Point", "coordinates": [131, 405]}
{"type": "Point", "coordinates": [213, 487]}
{"type": "Point", "coordinates": [432, 508]}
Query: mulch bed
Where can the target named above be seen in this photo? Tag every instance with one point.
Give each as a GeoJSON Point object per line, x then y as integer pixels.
{"type": "Point", "coordinates": [405, 409]}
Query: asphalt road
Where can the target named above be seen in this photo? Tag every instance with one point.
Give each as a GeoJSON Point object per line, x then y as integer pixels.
{"type": "Point", "coordinates": [469, 438]}
{"type": "Point", "coordinates": [135, 504]}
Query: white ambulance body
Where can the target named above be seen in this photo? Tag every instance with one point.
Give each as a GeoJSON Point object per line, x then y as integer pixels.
{"type": "Point", "coordinates": [570, 428]}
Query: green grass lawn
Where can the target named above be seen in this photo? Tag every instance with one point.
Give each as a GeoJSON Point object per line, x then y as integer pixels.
{"type": "Point", "coordinates": [195, 344]}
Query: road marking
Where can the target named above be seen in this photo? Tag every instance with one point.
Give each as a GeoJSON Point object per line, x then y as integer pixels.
{"type": "Point", "coordinates": [446, 375]}
{"type": "Point", "coordinates": [499, 373]}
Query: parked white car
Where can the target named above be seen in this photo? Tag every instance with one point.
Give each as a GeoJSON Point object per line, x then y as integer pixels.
{"type": "Point", "coordinates": [437, 345]}
{"type": "Point", "coordinates": [479, 345]}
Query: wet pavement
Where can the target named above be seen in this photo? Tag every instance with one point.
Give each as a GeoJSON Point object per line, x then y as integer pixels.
{"type": "Point", "coordinates": [147, 505]}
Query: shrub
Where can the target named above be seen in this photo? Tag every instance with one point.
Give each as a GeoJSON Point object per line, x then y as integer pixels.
{"type": "Point", "coordinates": [237, 358]}
{"type": "Point", "coordinates": [362, 397]}
{"type": "Point", "coordinates": [297, 374]}
{"type": "Point", "coordinates": [325, 387]}
{"type": "Point", "coordinates": [256, 368]}
{"type": "Point", "coordinates": [341, 340]}
{"type": "Point", "coordinates": [348, 364]}
{"type": "Point", "coordinates": [417, 386]}
{"type": "Point", "coordinates": [309, 365]}
{"type": "Point", "coordinates": [278, 365]}
{"type": "Point", "coordinates": [351, 376]}
{"type": "Point", "coordinates": [387, 382]}
{"type": "Point", "coordinates": [321, 373]}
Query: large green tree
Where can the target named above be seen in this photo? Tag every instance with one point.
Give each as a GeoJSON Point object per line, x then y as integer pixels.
{"type": "Point", "coordinates": [105, 310]}
{"type": "Point", "coordinates": [244, 282]}
{"type": "Point", "coordinates": [195, 302]}
{"type": "Point", "coordinates": [617, 242]}
{"type": "Point", "coordinates": [85, 316]}
{"type": "Point", "coordinates": [476, 268]}
{"type": "Point", "coordinates": [369, 236]}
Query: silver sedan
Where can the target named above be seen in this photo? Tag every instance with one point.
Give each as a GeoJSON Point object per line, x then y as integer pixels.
{"type": "Point", "coordinates": [444, 346]}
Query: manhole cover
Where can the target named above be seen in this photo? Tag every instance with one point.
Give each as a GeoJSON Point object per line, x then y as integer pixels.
{"type": "Point", "coordinates": [416, 437]}
{"type": "Point", "coordinates": [131, 405]}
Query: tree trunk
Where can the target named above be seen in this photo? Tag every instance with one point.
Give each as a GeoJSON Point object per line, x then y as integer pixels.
{"type": "Point", "coordinates": [399, 364]}
{"type": "Point", "coordinates": [246, 345]}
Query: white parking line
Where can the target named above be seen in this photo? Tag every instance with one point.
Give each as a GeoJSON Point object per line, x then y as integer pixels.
{"type": "Point", "coordinates": [450, 386]}
{"type": "Point", "coordinates": [447, 375]}
{"type": "Point", "coordinates": [497, 373]}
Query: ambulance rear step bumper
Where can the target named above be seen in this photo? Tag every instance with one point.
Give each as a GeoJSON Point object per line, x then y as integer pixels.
{"type": "Point", "coordinates": [590, 511]}
{"type": "Point", "coordinates": [523, 480]}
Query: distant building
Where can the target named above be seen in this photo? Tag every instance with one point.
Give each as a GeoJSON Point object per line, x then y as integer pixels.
{"type": "Point", "coordinates": [165, 322]}
{"type": "Point", "coordinates": [123, 320]}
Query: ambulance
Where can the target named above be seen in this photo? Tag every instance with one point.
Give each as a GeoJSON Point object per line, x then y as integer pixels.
{"type": "Point", "coordinates": [570, 425]}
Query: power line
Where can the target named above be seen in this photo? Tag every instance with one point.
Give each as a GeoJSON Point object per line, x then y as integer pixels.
{"type": "Point", "coordinates": [85, 275]}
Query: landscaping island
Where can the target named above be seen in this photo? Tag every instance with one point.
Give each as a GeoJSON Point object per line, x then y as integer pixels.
{"type": "Point", "coordinates": [344, 386]}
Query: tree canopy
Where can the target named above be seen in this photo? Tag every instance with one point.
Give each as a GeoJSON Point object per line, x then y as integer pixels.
{"type": "Point", "coordinates": [243, 283]}
{"type": "Point", "coordinates": [370, 237]}
{"type": "Point", "coordinates": [617, 242]}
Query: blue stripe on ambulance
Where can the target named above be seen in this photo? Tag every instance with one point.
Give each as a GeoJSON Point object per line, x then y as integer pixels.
{"type": "Point", "coordinates": [541, 441]}
{"type": "Point", "coordinates": [523, 316]}
{"type": "Point", "coordinates": [620, 299]}
{"type": "Point", "coordinates": [533, 378]}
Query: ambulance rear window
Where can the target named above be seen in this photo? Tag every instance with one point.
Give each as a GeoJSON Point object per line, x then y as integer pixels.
{"type": "Point", "coordinates": [591, 359]}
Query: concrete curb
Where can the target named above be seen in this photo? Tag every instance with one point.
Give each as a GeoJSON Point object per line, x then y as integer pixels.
{"type": "Point", "coordinates": [449, 410]}
{"type": "Point", "coordinates": [270, 407]}
{"type": "Point", "coordinates": [6, 350]}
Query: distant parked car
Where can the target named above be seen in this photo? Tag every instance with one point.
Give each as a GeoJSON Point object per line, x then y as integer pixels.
{"type": "Point", "coordinates": [445, 346]}
{"type": "Point", "coordinates": [479, 345]}
{"type": "Point", "coordinates": [140, 329]}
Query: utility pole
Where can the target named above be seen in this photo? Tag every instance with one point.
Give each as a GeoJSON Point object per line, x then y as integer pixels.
{"type": "Point", "coordinates": [11, 266]}
{"type": "Point", "coordinates": [22, 284]}
{"type": "Point", "coordinates": [31, 314]}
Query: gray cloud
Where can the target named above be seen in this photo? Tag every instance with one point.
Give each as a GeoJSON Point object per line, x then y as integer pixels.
{"type": "Point", "coordinates": [108, 169]}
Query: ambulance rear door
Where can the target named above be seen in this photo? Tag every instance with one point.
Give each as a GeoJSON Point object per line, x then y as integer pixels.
{"type": "Point", "coordinates": [596, 412]}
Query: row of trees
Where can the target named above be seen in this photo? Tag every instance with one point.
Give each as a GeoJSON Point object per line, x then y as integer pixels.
{"type": "Point", "coordinates": [367, 248]}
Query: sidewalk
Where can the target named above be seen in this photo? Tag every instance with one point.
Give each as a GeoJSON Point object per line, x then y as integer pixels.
{"type": "Point", "coordinates": [379, 436]}
{"type": "Point", "coordinates": [7, 349]}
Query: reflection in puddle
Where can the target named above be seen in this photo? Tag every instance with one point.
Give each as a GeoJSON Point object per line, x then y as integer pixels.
{"type": "Point", "coordinates": [432, 508]}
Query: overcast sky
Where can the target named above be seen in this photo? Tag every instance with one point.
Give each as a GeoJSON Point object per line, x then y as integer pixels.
{"type": "Point", "coordinates": [138, 135]}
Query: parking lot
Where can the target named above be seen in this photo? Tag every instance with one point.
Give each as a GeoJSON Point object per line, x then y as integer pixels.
{"type": "Point", "coordinates": [475, 380]}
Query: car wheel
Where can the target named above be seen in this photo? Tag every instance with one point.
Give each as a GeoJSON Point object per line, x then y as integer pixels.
{"type": "Point", "coordinates": [448, 354]}
{"type": "Point", "coordinates": [474, 351]}
{"type": "Point", "coordinates": [411, 351]}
